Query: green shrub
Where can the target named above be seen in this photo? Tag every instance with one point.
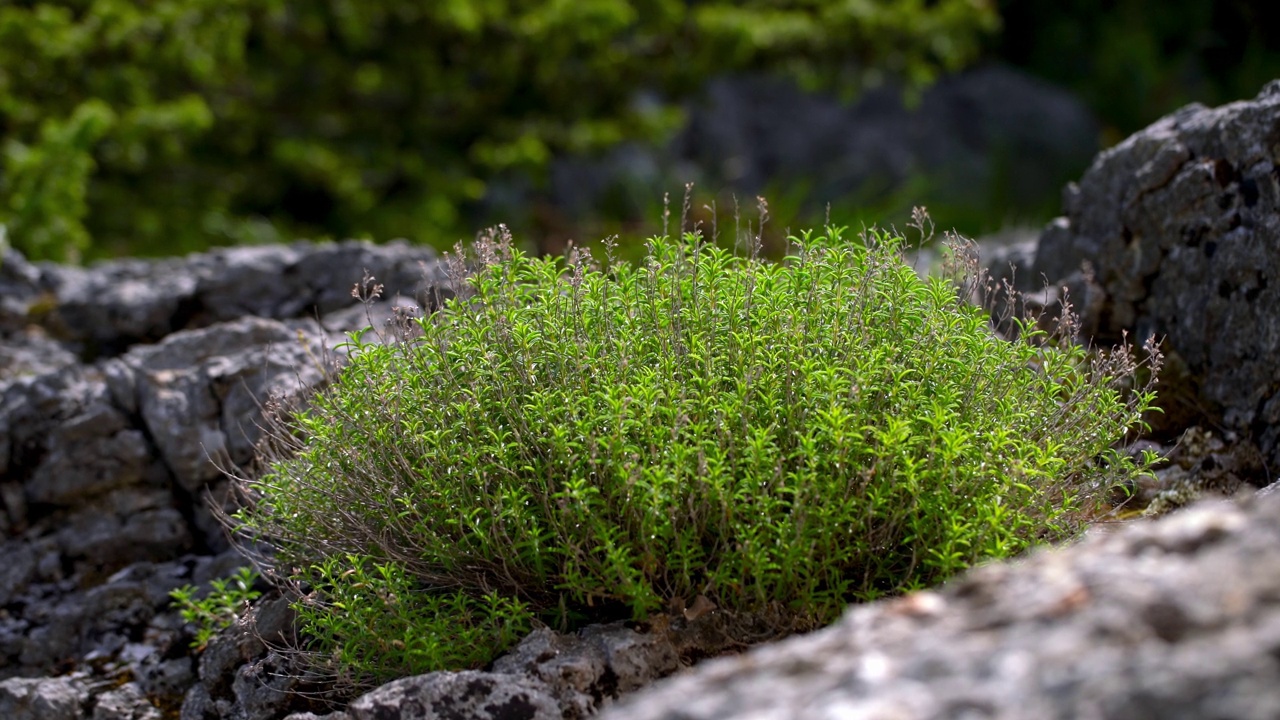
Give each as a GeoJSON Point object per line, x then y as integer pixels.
{"type": "Point", "coordinates": [573, 441]}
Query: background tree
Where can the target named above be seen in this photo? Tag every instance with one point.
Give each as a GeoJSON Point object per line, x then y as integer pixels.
{"type": "Point", "coordinates": [163, 126]}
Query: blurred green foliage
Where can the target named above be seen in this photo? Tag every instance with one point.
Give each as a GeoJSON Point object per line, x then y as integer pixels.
{"type": "Point", "coordinates": [165, 126]}
{"type": "Point", "coordinates": [1135, 60]}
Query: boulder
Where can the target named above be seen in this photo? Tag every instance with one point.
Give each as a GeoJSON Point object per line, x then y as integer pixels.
{"type": "Point", "coordinates": [1180, 228]}
{"type": "Point", "coordinates": [1175, 618]}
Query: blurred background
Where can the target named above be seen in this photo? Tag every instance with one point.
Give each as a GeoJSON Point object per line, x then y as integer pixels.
{"type": "Point", "coordinates": [160, 127]}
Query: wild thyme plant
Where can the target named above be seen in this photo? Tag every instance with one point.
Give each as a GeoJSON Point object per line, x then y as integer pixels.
{"type": "Point", "coordinates": [781, 439]}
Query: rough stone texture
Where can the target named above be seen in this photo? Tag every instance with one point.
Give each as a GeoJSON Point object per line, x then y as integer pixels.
{"type": "Point", "coordinates": [124, 387]}
{"type": "Point", "coordinates": [199, 392]}
{"type": "Point", "coordinates": [1176, 618]}
{"type": "Point", "coordinates": [1181, 225]}
{"type": "Point", "coordinates": [585, 671]}
{"type": "Point", "coordinates": [567, 676]}
{"type": "Point", "coordinates": [455, 695]}
{"type": "Point", "coordinates": [106, 308]}
{"type": "Point", "coordinates": [42, 699]}
{"type": "Point", "coordinates": [125, 703]}
{"type": "Point", "coordinates": [243, 677]}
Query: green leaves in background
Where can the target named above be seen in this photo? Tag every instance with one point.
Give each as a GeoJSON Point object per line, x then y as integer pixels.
{"type": "Point", "coordinates": [1133, 61]}
{"type": "Point", "coordinates": [167, 126]}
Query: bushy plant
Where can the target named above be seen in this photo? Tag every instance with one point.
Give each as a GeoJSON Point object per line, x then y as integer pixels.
{"type": "Point", "coordinates": [567, 440]}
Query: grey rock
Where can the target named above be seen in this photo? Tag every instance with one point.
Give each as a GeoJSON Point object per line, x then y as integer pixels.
{"type": "Point", "coordinates": [124, 526]}
{"type": "Point", "coordinates": [270, 620]}
{"type": "Point", "coordinates": [548, 674]}
{"type": "Point", "coordinates": [1180, 224]}
{"type": "Point", "coordinates": [335, 715]}
{"type": "Point", "coordinates": [31, 409]}
{"type": "Point", "coordinates": [126, 388]}
{"type": "Point", "coordinates": [1177, 618]}
{"type": "Point", "coordinates": [19, 568]}
{"type": "Point", "coordinates": [99, 622]}
{"type": "Point", "coordinates": [449, 695]}
{"type": "Point", "coordinates": [28, 351]}
{"type": "Point", "coordinates": [13, 517]}
{"type": "Point", "coordinates": [127, 702]}
{"type": "Point", "coordinates": [585, 671]}
{"type": "Point", "coordinates": [242, 676]}
{"type": "Point", "coordinates": [265, 689]}
{"type": "Point", "coordinates": [112, 305]}
{"type": "Point", "coordinates": [61, 698]}
{"type": "Point", "coordinates": [89, 454]}
{"type": "Point", "coordinates": [161, 677]}
{"type": "Point", "coordinates": [198, 704]}
{"type": "Point", "coordinates": [199, 392]}
{"type": "Point", "coordinates": [19, 288]}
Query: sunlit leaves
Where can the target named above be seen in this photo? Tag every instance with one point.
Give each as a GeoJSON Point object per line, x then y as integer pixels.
{"type": "Point", "coordinates": [778, 438]}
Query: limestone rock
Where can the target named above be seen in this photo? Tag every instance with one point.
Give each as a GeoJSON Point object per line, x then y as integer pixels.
{"type": "Point", "coordinates": [469, 694]}
{"type": "Point", "coordinates": [585, 671]}
{"type": "Point", "coordinates": [1180, 225]}
{"type": "Point", "coordinates": [42, 699]}
{"type": "Point", "coordinates": [123, 386]}
{"type": "Point", "coordinates": [108, 307]}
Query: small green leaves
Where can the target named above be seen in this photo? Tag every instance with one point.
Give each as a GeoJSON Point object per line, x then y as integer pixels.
{"type": "Point", "coordinates": [220, 608]}
{"type": "Point", "coordinates": [576, 441]}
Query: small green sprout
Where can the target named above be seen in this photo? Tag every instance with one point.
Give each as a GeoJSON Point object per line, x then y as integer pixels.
{"type": "Point", "coordinates": [220, 608]}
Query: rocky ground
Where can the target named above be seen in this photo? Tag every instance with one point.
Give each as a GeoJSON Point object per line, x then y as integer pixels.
{"type": "Point", "coordinates": [125, 387]}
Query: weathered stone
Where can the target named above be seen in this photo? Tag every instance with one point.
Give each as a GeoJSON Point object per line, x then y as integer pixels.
{"type": "Point", "coordinates": [584, 671]}
{"type": "Point", "coordinates": [18, 570]}
{"type": "Point", "coordinates": [165, 677]}
{"type": "Point", "coordinates": [469, 694]}
{"type": "Point", "coordinates": [19, 288]}
{"type": "Point", "coordinates": [197, 392]}
{"type": "Point", "coordinates": [109, 448]}
{"type": "Point", "coordinates": [31, 410]}
{"type": "Point", "coordinates": [124, 526]}
{"type": "Point", "coordinates": [200, 705]}
{"type": "Point", "coordinates": [1180, 224]}
{"type": "Point", "coordinates": [126, 702]}
{"type": "Point", "coordinates": [43, 699]}
{"type": "Point", "coordinates": [28, 352]}
{"type": "Point", "coordinates": [89, 454]}
{"type": "Point", "coordinates": [265, 689]}
{"type": "Point", "coordinates": [1178, 618]}
{"type": "Point", "coordinates": [110, 306]}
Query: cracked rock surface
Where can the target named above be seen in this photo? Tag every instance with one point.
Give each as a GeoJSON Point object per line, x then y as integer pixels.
{"type": "Point", "coordinates": [1180, 226]}
{"type": "Point", "coordinates": [124, 387]}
